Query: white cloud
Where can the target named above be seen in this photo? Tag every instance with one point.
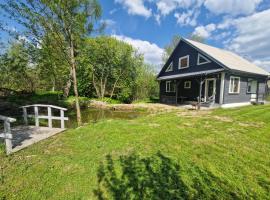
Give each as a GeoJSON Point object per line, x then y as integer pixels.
{"type": "Point", "coordinates": [187, 18]}
{"type": "Point", "coordinates": [205, 31]}
{"type": "Point", "coordinates": [251, 37]}
{"type": "Point", "coordinates": [232, 7]}
{"type": "Point", "coordinates": [152, 53]}
{"type": "Point", "coordinates": [165, 7]}
{"type": "Point", "coordinates": [135, 7]}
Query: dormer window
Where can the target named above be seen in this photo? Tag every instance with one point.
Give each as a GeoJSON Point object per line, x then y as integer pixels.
{"type": "Point", "coordinates": [202, 60]}
{"type": "Point", "coordinates": [183, 62]}
{"type": "Point", "coordinates": [170, 67]}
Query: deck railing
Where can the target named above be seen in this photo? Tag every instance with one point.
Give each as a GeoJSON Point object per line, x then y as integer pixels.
{"type": "Point", "coordinates": [36, 115]}
{"type": "Point", "coordinates": [7, 132]}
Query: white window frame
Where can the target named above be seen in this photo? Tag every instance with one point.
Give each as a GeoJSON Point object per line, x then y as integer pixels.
{"type": "Point", "coordinates": [202, 56]}
{"type": "Point", "coordinates": [181, 58]}
{"type": "Point", "coordinates": [170, 67]}
{"type": "Point", "coordinates": [187, 84]}
{"type": "Point", "coordinates": [168, 88]}
{"type": "Point", "coordinates": [232, 78]}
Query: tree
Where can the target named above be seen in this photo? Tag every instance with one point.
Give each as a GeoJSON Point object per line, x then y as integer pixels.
{"type": "Point", "coordinates": [18, 72]}
{"type": "Point", "coordinates": [168, 49]}
{"type": "Point", "coordinates": [67, 22]}
{"type": "Point", "coordinates": [110, 64]}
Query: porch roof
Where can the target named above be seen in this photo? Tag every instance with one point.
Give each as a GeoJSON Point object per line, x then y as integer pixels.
{"type": "Point", "coordinates": [190, 74]}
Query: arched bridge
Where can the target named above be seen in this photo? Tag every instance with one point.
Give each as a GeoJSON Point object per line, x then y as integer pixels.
{"type": "Point", "coordinates": [19, 137]}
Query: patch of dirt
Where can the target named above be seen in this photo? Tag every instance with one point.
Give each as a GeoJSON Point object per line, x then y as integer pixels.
{"type": "Point", "coordinates": [151, 107]}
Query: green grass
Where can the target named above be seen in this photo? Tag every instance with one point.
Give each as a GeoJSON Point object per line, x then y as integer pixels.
{"type": "Point", "coordinates": [224, 154]}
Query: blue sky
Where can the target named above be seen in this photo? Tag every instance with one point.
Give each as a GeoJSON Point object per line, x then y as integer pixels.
{"type": "Point", "coordinates": [242, 26]}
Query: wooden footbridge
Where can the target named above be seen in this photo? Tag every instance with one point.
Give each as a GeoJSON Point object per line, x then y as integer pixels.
{"type": "Point", "coordinates": [19, 137]}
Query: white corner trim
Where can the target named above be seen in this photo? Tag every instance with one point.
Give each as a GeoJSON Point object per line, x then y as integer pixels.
{"type": "Point", "coordinates": [201, 56]}
{"type": "Point", "coordinates": [222, 87]}
{"type": "Point", "coordinates": [234, 105]}
{"type": "Point", "coordinates": [181, 58]}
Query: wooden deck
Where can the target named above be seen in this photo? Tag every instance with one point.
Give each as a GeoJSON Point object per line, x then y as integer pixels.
{"type": "Point", "coordinates": [24, 136]}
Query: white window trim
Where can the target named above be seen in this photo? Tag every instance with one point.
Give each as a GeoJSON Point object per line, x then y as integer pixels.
{"type": "Point", "coordinates": [168, 89]}
{"type": "Point", "coordinates": [198, 59]}
{"type": "Point", "coordinates": [187, 84]}
{"type": "Point", "coordinates": [232, 78]}
{"type": "Point", "coordinates": [181, 58]}
{"type": "Point", "coordinates": [170, 66]}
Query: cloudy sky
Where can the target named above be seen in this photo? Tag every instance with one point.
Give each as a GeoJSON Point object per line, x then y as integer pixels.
{"type": "Point", "coordinates": [242, 26]}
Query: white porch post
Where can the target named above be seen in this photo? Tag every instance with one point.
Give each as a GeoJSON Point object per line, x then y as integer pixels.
{"type": "Point", "coordinates": [222, 86]}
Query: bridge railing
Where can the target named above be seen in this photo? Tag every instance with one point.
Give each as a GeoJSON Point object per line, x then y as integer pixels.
{"type": "Point", "coordinates": [49, 116]}
{"type": "Point", "coordinates": [7, 132]}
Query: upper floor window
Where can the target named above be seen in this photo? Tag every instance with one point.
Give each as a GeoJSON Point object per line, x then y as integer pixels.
{"type": "Point", "coordinates": [170, 86]}
{"type": "Point", "coordinates": [234, 87]}
{"type": "Point", "coordinates": [170, 67]}
{"type": "Point", "coordinates": [202, 60]}
{"type": "Point", "coordinates": [183, 62]}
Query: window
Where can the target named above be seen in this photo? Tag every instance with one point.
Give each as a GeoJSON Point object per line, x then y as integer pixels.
{"type": "Point", "coordinates": [183, 62]}
{"type": "Point", "coordinates": [170, 86]}
{"type": "Point", "coordinates": [234, 87]}
{"type": "Point", "coordinates": [187, 84]}
{"type": "Point", "coordinates": [170, 67]}
{"type": "Point", "coordinates": [251, 86]}
{"type": "Point", "coordinates": [202, 60]}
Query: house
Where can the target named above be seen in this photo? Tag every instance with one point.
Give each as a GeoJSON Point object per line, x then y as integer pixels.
{"type": "Point", "coordinates": [209, 75]}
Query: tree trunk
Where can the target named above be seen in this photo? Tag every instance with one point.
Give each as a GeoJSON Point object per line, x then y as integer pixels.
{"type": "Point", "coordinates": [73, 66]}
{"type": "Point", "coordinates": [68, 84]}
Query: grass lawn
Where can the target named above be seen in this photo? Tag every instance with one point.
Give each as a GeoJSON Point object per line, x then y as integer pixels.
{"type": "Point", "coordinates": [222, 154]}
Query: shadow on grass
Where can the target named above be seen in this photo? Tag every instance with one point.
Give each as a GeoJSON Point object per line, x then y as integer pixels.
{"type": "Point", "coordinates": [155, 177]}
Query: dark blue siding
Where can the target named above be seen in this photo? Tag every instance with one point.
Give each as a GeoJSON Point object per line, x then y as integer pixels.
{"type": "Point", "coordinates": [181, 50]}
{"type": "Point", "coordinates": [243, 96]}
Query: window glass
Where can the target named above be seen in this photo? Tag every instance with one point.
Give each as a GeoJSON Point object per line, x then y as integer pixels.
{"type": "Point", "coordinates": [234, 85]}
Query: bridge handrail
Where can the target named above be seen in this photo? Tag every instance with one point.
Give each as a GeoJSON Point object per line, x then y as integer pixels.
{"type": "Point", "coordinates": [43, 105]}
{"type": "Point", "coordinates": [7, 132]}
{"type": "Point", "coordinates": [8, 119]}
{"type": "Point", "coordinates": [36, 116]}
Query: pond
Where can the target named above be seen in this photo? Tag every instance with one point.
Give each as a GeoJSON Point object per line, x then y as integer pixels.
{"type": "Point", "coordinates": [93, 115]}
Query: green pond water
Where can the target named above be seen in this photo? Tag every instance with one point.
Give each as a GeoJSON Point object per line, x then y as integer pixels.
{"type": "Point", "coordinates": [92, 115]}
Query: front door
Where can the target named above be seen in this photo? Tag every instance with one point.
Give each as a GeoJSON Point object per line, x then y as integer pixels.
{"type": "Point", "coordinates": [210, 89]}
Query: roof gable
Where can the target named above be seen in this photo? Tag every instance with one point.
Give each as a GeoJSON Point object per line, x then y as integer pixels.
{"type": "Point", "coordinates": [183, 50]}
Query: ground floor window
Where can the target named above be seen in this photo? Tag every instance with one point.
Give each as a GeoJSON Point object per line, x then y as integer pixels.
{"type": "Point", "coordinates": [234, 87]}
{"type": "Point", "coordinates": [187, 84]}
{"type": "Point", "coordinates": [170, 86]}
